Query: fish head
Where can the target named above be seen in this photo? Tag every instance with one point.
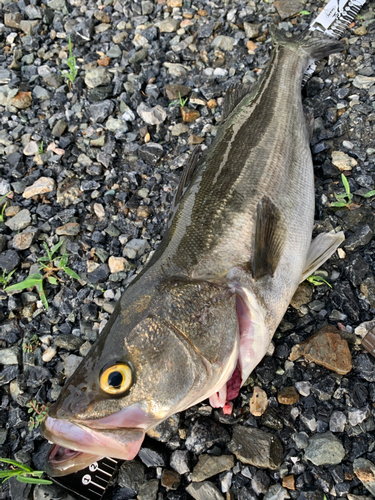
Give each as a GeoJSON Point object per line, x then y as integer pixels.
{"type": "Point", "coordinates": [137, 374]}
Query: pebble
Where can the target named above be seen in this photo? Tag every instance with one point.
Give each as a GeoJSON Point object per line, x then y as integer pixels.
{"type": "Point", "coordinates": [135, 248]}
{"type": "Point", "coordinates": [20, 221]}
{"type": "Point", "coordinates": [97, 77]}
{"type": "Point", "coordinates": [151, 458]}
{"type": "Point", "coordinates": [365, 471]}
{"type": "Point", "coordinates": [209, 466]}
{"type": "Point", "coordinates": [50, 492]}
{"type": "Point", "coordinates": [361, 237]}
{"type": "Point", "coordinates": [69, 229]}
{"type": "Point", "coordinates": [289, 482]}
{"type": "Point", "coordinates": [151, 116]}
{"type": "Point", "coordinates": [223, 42]}
{"type": "Point", "coordinates": [24, 240]}
{"type": "Point", "coordinates": [117, 264]}
{"type": "Point", "coordinates": [289, 8]}
{"type": "Point", "coordinates": [49, 354]}
{"type": "Point", "coordinates": [180, 461]}
{"type": "Point", "coordinates": [343, 161]}
{"type": "Point", "coordinates": [59, 128]}
{"type": "Point", "coordinates": [325, 449]}
{"type": "Point", "coordinates": [30, 149]}
{"type": "Point", "coordinates": [131, 475]}
{"type": "Point", "coordinates": [251, 30]}
{"type": "Point", "coordinates": [68, 342]}
{"type": "Point", "coordinates": [9, 356]}
{"type": "Point", "coordinates": [205, 434]}
{"type": "Point", "coordinates": [258, 402]}
{"type": "Point", "coordinates": [168, 25]}
{"type": "Point", "coordinates": [189, 115]}
{"type": "Point", "coordinates": [9, 260]}
{"type": "Point", "coordinates": [303, 388]}
{"type": "Point", "coordinates": [174, 91]}
{"type": "Point", "coordinates": [256, 447]}
{"type": "Point", "coordinates": [179, 129]}
{"type": "Point", "coordinates": [41, 186]}
{"type": "Point", "coordinates": [288, 396]}
{"type": "Point", "coordinates": [302, 295]}
{"type": "Point", "coordinates": [276, 492]}
{"type": "Point", "coordinates": [204, 491]}
{"type": "Point", "coordinates": [151, 153]}
{"type": "Point", "coordinates": [148, 490]}
{"type": "Point", "coordinates": [170, 479]}
{"type": "Point", "coordinates": [337, 421]}
{"type": "Point", "coordinates": [22, 100]}
{"type": "Point", "coordinates": [326, 348]}
{"type": "Point", "coordinates": [363, 82]}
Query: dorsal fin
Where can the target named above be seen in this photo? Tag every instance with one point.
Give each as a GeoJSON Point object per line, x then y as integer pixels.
{"type": "Point", "coordinates": [185, 181]}
{"type": "Point", "coordinates": [234, 95]}
{"type": "Point", "coordinates": [270, 233]}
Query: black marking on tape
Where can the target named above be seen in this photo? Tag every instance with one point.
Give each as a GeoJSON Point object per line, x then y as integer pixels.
{"type": "Point", "coordinates": [90, 483]}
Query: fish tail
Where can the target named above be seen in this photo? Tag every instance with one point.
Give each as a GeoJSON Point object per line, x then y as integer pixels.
{"type": "Point", "coordinates": [313, 43]}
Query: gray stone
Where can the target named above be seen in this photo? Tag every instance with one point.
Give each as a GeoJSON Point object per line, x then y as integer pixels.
{"type": "Point", "coordinates": [166, 430]}
{"type": "Point", "coordinates": [148, 490]}
{"type": "Point", "coordinates": [20, 221]}
{"type": "Point", "coordinates": [151, 458]}
{"type": "Point", "coordinates": [210, 465]}
{"type": "Point", "coordinates": [101, 110]}
{"type": "Point", "coordinates": [9, 260]}
{"type": "Point", "coordinates": [116, 125]}
{"type": "Point", "coordinates": [152, 116]}
{"type": "Point", "coordinates": [13, 19]}
{"type": "Point", "coordinates": [365, 471]}
{"type": "Point", "coordinates": [256, 447]}
{"type": "Point", "coordinates": [252, 30]}
{"type": "Point", "coordinates": [53, 80]}
{"type": "Point", "coordinates": [180, 461]}
{"type": "Point", "coordinates": [337, 421]}
{"type": "Point", "coordinates": [41, 93]}
{"type": "Point", "coordinates": [147, 7]}
{"type": "Point", "coordinates": [131, 475]}
{"type": "Point", "coordinates": [68, 341]}
{"type": "Point", "coordinates": [368, 290]}
{"type": "Point", "coordinates": [325, 449]}
{"type": "Point", "coordinates": [205, 434]}
{"type": "Point", "coordinates": [360, 238]}
{"type": "Point", "coordinates": [97, 76]}
{"type": "Point", "coordinates": [204, 491]}
{"type": "Point", "coordinates": [168, 25]}
{"type": "Point", "coordinates": [223, 42]}
{"type": "Point", "coordinates": [71, 363]}
{"type": "Point", "coordinates": [100, 274]}
{"type": "Point", "coordinates": [57, 5]}
{"type": "Point", "coordinates": [139, 56]}
{"type": "Point", "coordinates": [301, 439]}
{"type": "Point", "coordinates": [135, 248]}
{"type": "Point", "coordinates": [151, 152]}
{"type": "Point", "coordinates": [276, 492]}
{"type": "Point", "coordinates": [363, 82]}
{"type": "Point", "coordinates": [9, 356]}
{"type": "Point", "coordinates": [24, 240]}
{"type": "Point", "coordinates": [113, 52]}
{"type": "Point", "coordinates": [59, 128]}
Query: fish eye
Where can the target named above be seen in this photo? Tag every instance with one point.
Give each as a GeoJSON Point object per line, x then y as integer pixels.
{"type": "Point", "coordinates": [116, 379]}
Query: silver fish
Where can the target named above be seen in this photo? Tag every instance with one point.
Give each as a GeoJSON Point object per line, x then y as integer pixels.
{"type": "Point", "coordinates": [200, 317]}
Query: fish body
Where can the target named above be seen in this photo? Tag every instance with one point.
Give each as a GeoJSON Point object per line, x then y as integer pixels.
{"type": "Point", "coordinates": [200, 317]}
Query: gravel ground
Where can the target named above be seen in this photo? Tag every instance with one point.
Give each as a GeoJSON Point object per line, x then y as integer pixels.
{"type": "Point", "coordinates": [94, 165]}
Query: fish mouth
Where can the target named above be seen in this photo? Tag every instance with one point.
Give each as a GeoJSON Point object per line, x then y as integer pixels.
{"type": "Point", "coordinates": [78, 444]}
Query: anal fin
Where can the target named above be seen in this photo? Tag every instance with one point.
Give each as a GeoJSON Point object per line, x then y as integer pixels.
{"type": "Point", "coordinates": [321, 249]}
{"type": "Point", "coordinates": [270, 233]}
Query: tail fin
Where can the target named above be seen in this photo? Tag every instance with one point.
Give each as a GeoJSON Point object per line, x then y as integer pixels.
{"type": "Point", "coordinates": [314, 43]}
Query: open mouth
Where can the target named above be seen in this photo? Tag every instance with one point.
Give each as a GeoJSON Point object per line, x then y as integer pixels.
{"type": "Point", "coordinates": [58, 454]}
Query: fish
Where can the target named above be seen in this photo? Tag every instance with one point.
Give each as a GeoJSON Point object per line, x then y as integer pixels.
{"type": "Point", "coordinates": [201, 315]}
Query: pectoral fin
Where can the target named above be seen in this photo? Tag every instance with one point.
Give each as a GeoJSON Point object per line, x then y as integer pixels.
{"type": "Point", "coordinates": [270, 233]}
{"type": "Point", "coordinates": [321, 249]}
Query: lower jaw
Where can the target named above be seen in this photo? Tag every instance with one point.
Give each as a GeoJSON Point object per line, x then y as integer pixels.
{"type": "Point", "coordinates": [62, 461]}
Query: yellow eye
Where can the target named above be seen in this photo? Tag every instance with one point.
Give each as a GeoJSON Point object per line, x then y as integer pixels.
{"type": "Point", "coordinates": [116, 379]}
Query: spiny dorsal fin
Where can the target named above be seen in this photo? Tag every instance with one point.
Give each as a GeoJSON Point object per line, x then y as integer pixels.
{"type": "Point", "coordinates": [270, 232]}
{"type": "Point", "coordinates": [234, 95]}
{"type": "Point", "coordinates": [185, 180]}
{"type": "Point", "coordinates": [321, 249]}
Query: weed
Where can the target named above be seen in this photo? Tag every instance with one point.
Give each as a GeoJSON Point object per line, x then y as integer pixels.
{"type": "Point", "coordinates": [41, 148]}
{"type": "Point", "coordinates": [4, 206]}
{"type": "Point", "coordinates": [5, 278]}
{"type": "Point", "coordinates": [346, 199]}
{"type": "Point", "coordinates": [317, 280]}
{"type": "Point", "coordinates": [50, 265]}
{"type": "Point", "coordinates": [33, 343]}
{"type": "Point", "coordinates": [23, 473]}
{"type": "Point", "coordinates": [39, 413]}
{"type": "Point", "coordinates": [180, 101]}
{"type": "Point", "coordinates": [304, 13]}
{"type": "Point", "coordinates": [71, 62]}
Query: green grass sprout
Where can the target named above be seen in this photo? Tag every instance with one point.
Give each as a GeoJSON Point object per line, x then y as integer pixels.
{"type": "Point", "coordinates": [5, 278]}
{"type": "Point", "coordinates": [33, 343]}
{"type": "Point", "coordinates": [41, 148]}
{"type": "Point", "coordinates": [50, 265]}
{"type": "Point", "coordinates": [346, 199]}
{"type": "Point", "coordinates": [4, 206]}
{"type": "Point", "coordinates": [71, 62]}
{"type": "Point", "coordinates": [317, 280]}
{"type": "Point", "coordinates": [180, 101]}
{"type": "Point", "coordinates": [39, 413]}
{"type": "Point", "coordinates": [23, 473]}
{"type": "Point", "coordinates": [304, 13]}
